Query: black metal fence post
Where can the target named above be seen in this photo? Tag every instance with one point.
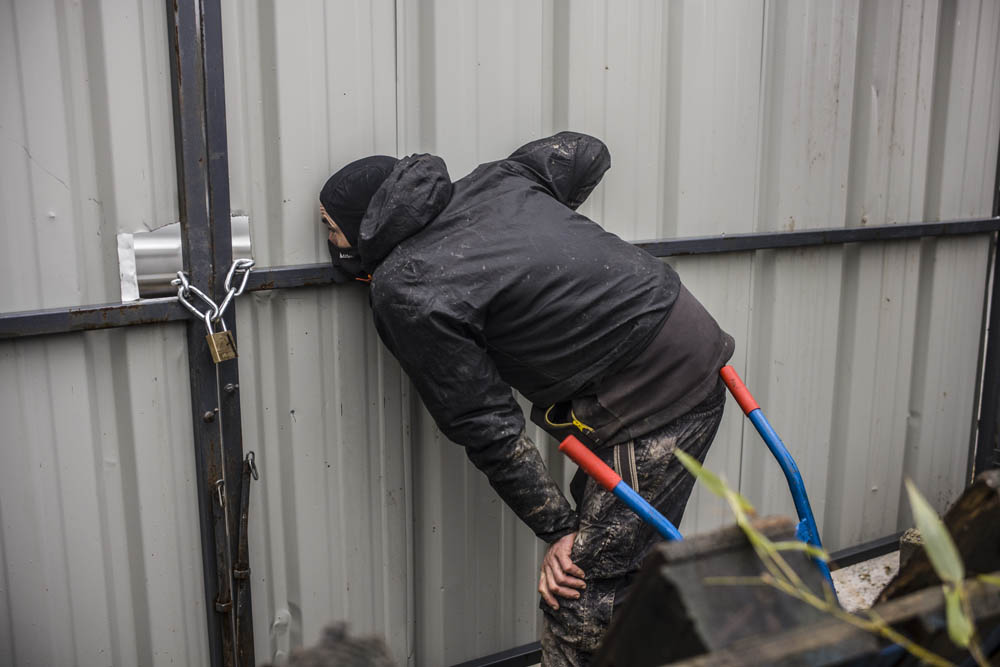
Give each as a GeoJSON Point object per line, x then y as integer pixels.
{"type": "Point", "coordinates": [987, 441]}
{"type": "Point", "coordinates": [195, 40]}
{"type": "Point", "coordinates": [229, 376]}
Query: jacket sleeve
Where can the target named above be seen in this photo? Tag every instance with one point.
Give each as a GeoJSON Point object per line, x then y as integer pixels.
{"type": "Point", "coordinates": [568, 164]}
{"type": "Point", "coordinates": [475, 408]}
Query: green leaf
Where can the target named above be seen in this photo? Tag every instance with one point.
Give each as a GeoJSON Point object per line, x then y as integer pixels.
{"type": "Point", "coordinates": [744, 504]}
{"type": "Point", "coordinates": [702, 474]}
{"type": "Point", "coordinates": [991, 579]}
{"type": "Point", "coordinates": [796, 545]}
{"type": "Point", "coordinates": [938, 544]}
{"type": "Point", "coordinates": [755, 537]}
{"type": "Point", "coordinates": [713, 482]}
{"type": "Point", "coordinates": [960, 628]}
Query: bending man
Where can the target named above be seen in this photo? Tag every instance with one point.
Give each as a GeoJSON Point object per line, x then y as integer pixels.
{"type": "Point", "coordinates": [494, 282]}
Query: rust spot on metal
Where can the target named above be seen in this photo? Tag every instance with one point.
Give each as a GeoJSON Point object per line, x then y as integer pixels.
{"type": "Point", "coordinates": [116, 315]}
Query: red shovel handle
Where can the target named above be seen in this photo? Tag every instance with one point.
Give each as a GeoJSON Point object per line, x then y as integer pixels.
{"type": "Point", "coordinates": [592, 465]}
{"type": "Point", "coordinates": [738, 389]}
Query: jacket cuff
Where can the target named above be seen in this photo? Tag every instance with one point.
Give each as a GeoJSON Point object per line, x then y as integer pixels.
{"type": "Point", "coordinates": [572, 525]}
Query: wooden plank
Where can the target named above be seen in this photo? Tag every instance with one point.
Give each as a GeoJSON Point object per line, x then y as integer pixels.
{"type": "Point", "coordinates": [974, 524]}
{"type": "Point", "coordinates": [805, 645]}
{"type": "Point", "coordinates": [673, 613]}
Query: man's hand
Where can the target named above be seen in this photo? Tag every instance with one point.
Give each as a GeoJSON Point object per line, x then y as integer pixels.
{"type": "Point", "coordinates": [559, 575]}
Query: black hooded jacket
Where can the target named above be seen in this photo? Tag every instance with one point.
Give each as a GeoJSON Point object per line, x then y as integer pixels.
{"type": "Point", "coordinates": [496, 282]}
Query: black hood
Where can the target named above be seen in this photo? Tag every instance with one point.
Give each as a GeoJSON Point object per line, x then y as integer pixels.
{"type": "Point", "coordinates": [416, 191]}
{"type": "Point", "coordinates": [569, 164]}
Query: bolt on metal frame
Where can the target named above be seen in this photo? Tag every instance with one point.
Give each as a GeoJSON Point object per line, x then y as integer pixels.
{"type": "Point", "coordinates": [198, 92]}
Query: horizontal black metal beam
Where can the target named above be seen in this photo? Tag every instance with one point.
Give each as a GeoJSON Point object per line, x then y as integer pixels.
{"type": "Point", "coordinates": [153, 311]}
{"type": "Point", "coordinates": [287, 277]}
{"type": "Point", "coordinates": [866, 551]}
{"type": "Point", "coordinates": [283, 277]}
{"type": "Point", "coordinates": [529, 654]}
{"type": "Point", "coordinates": [27, 323]}
{"type": "Point", "coordinates": [87, 318]}
{"type": "Point", "coordinates": [816, 237]}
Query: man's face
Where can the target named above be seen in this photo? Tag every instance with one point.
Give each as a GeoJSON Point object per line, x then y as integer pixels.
{"type": "Point", "coordinates": [336, 236]}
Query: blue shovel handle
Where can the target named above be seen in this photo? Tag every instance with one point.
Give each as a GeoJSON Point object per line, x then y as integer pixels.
{"type": "Point", "coordinates": [807, 530]}
{"type": "Point", "coordinates": [612, 481]}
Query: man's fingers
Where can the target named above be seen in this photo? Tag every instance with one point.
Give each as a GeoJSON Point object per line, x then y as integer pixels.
{"type": "Point", "coordinates": [555, 586]}
{"type": "Point", "coordinates": [544, 590]}
{"type": "Point", "coordinates": [559, 576]}
{"type": "Point", "coordinates": [555, 574]}
{"type": "Point", "coordinates": [569, 567]}
{"type": "Point", "coordinates": [572, 582]}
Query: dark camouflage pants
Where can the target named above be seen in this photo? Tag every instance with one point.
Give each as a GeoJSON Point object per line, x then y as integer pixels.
{"type": "Point", "coordinates": [612, 541]}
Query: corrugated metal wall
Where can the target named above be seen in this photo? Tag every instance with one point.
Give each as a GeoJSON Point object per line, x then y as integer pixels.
{"type": "Point", "coordinates": [721, 118]}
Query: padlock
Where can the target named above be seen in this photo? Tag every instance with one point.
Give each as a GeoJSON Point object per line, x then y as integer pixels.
{"type": "Point", "coordinates": [221, 344]}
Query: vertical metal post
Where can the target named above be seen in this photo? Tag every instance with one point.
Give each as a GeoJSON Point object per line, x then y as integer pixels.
{"type": "Point", "coordinates": [229, 377]}
{"type": "Point", "coordinates": [195, 41]}
{"type": "Point", "coordinates": [988, 436]}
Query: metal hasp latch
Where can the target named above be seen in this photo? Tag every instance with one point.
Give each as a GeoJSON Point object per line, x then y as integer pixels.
{"type": "Point", "coordinates": [241, 569]}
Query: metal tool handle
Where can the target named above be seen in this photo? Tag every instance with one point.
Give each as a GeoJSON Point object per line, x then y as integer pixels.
{"type": "Point", "coordinates": [612, 481]}
{"type": "Point", "coordinates": [738, 389]}
{"type": "Point", "coordinates": [777, 447]}
{"type": "Point", "coordinates": [807, 530]}
{"type": "Point", "coordinates": [593, 466]}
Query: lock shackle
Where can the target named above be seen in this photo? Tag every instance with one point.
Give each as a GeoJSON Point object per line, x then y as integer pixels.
{"type": "Point", "coordinates": [207, 316]}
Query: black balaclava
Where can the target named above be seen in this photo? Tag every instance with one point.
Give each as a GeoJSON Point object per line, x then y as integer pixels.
{"type": "Point", "coordinates": [345, 197]}
{"type": "Point", "coordinates": [347, 193]}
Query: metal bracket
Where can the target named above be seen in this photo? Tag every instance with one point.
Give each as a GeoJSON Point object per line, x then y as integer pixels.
{"type": "Point", "coordinates": [148, 261]}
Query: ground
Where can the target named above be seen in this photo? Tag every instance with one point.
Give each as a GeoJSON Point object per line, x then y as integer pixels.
{"type": "Point", "coordinates": [859, 585]}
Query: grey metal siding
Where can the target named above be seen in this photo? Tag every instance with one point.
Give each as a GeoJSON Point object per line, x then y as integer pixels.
{"type": "Point", "coordinates": [87, 144]}
{"type": "Point", "coordinates": [100, 553]}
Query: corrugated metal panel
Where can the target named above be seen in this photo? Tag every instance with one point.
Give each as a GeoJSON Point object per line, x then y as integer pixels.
{"type": "Point", "coordinates": [88, 146]}
{"type": "Point", "coordinates": [720, 119]}
{"type": "Point", "coordinates": [99, 542]}
{"type": "Point", "coordinates": [869, 354]}
{"type": "Point", "coordinates": [307, 85]}
{"type": "Point", "coordinates": [328, 416]}
{"type": "Point", "coordinates": [310, 85]}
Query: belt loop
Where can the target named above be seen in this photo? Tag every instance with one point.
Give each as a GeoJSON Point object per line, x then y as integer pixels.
{"type": "Point", "coordinates": [624, 464]}
{"type": "Point", "coordinates": [633, 466]}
